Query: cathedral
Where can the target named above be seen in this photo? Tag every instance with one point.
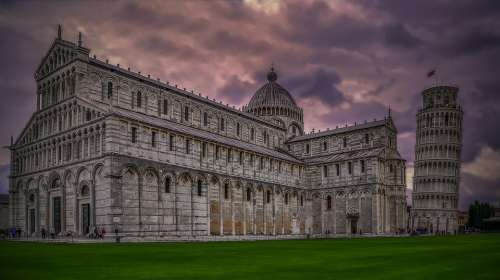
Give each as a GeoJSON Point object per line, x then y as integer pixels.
{"type": "Point", "coordinates": [111, 148]}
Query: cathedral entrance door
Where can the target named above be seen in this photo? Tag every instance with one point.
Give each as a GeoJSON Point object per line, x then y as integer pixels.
{"type": "Point", "coordinates": [85, 218]}
{"type": "Point", "coordinates": [56, 214]}
{"type": "Point", "coordinates": [354, 225]}
{"type": "Point", "coordinates": [32, 221]}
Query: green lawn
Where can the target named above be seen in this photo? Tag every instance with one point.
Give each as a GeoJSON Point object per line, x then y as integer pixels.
{"type": "Point", "coordinates": [454, 257]}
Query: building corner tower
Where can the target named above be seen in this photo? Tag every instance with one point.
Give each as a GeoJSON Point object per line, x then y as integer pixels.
{"type": "Point", "coordinates": [437, 161]}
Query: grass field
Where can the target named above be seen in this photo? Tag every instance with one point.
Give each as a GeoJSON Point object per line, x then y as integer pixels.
{"type": "Point", "coordinates": [454, 257]}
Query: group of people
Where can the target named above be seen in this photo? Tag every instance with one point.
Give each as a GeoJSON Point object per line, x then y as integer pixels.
{"type": "Point", "coordinates": [46, 234]}
{"type": "Point", "coordinates": [94, 233]}
{"type": "Point", "coordinates": [15, 232]}
{"type": "Point", "coordinates": [97, 233]}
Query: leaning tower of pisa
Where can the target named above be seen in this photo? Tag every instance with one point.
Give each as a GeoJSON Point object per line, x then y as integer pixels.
{"type": "Point", "coordinates": [437, 161]}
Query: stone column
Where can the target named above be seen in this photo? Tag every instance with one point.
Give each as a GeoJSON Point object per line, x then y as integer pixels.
{"type": "Point", "coordinates": [76, 208]}
{"type": "Point", "coordinates": [63, 207]}
{"type": "Point", "coordinates": [233, 230]}
{"type": "Point", "coordinates": [48, 213]}
{"type": "Point", "coordinates": [274, 210]}
{"type": "Point", "coordinates": [322, 209]}
{"type": "Point", "coordinates": [12, 202]}
{"type": "Point", "coordinates": [359, 225]}
{"type": "Point", "coordinates": [264, 209]}
{"type": "Point", "coordinates": [221, 207]}
{"type": "Point", "coordinates": [37, 211]}
{"type": "Point", "coordinates": [92, 204]}
{"type": "Point", "coordinates": [244, 208]}
{"type": "Point", "coordinates": [334, 208]}
{"type": "Point", "coordinates": [26, 214]}
{"type": "Point", "coordinates": [191, 212]}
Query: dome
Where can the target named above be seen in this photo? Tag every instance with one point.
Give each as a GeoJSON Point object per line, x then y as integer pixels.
{"type": "Point", "coordinates": [271, 94]}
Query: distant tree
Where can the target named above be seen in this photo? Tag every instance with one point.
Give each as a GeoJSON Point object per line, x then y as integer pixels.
{"type": "Point", "coordinates": [477, 213]}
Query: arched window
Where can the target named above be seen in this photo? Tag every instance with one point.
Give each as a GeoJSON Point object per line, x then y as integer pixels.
{"type": "Point", "coordinates": [73, 85]}
{"type": "Point", "coordinates": [186, 113]}
{"type": "Point", "coordinates": [249, 194]}
{"type": "Point", "coordinates": [110, 90]}
{"type": "Point", "coordinates": [226, 191]}
{"type": "Point", "coordinates": [328, 202]}
{"type": "Point", "coordinates": [167, 184]}
{"type": "Point", "coordinates": [188, 146]}
{"type": "Point", "coordinates": [301, 200]}
{"type": "Point", "coordinates": [268, 196]}
{"type": "Point", "coordinates": [286, 199]}
{"type": "Point", "coordinates": [238, 129]}
{"type": "Point", "coordinates": [199, 190]}
{"type": "Point", "coordinates": [88, 115]}
{"type": "Point", "coordinates": [56, 183]}
{"type": "Point", "coordinates": [221, 124]}
{"type": "Point", "coordinates": [139, 99]}
{"type": "Point", "coordinates": [32, 198]}
{"type": "Point", "coordinates": [85, 191]}
{"type": "Point", "coordinates": [252, 133]}
{"type": "Point", "coordinates": [165, 106]}
{"type": "Point", "coordinates": [205, 119]}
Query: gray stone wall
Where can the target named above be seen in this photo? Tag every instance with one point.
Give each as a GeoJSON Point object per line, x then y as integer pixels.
{"type": "Point", "coordinates": [114, 149]}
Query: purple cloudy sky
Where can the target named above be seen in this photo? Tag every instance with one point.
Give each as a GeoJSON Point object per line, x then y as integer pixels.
{"type": "Point", "coordinates": [343, 61]}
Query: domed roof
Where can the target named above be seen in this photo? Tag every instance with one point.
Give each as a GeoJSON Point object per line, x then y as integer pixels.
{"type": "Point", "coordinates": [271, 93]}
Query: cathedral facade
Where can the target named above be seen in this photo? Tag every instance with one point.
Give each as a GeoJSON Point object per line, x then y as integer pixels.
{"type": "Point", "coordinates": [107, 147]}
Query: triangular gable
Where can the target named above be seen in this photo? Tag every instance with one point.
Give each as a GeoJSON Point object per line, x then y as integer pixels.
{"type": "Point", "coordinates": [30, 126]}
{"type": "Point", "coordinates": [60, 53]}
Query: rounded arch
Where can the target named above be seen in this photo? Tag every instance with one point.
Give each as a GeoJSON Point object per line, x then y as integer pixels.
{"type": "Point", "coordinates": [55, 181]}
{"type": "Point", "coordinates": [130, 168]}
{"type": "Point", "coordinates": [82, 174]}
{"type": "Point", "coordinates": [249, 192]}
{"type": "Point", "coordinates": [297, 126]}
{"type": "Point", "coordinates": [214, 180]}
{"type": "Point", "coordinates": [167, 175]}
{"type": "Point", "coordinates": [31, 184]}
{"type": "Point", "coordinates": [185, 178]}
{"type": "Point", "coordinates": [202, 177]}
{"type": "Point", "coordinates": [97, 169]}
{"type": "Point", "coordinates": [84, 190]}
